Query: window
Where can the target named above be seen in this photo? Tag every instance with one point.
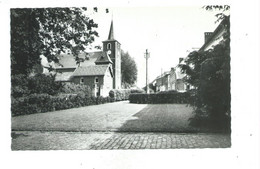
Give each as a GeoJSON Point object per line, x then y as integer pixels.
{"type": "Point", "coordinates": [81, 80]}
{"type": "Point", "coordinates": [109, 46]}
{"type": "Point", "coordinates": [96, 79]}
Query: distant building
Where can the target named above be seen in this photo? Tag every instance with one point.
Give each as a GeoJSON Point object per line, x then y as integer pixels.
{"type": "Point", "coordinates": [214, 38]}
{"type": "Point", "coordinates": [162, 82]}
{"type": "Point", "coordinates": [100, 70]}
{"type": "Point", "coordinates": [171, 80]}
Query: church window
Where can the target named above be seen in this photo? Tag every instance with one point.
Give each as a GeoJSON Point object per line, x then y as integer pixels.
{"type": "Point", "coordinates": [109, 46]}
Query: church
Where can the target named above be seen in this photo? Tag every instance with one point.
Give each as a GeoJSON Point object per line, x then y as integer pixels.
{"type": "Point", "coordinates": [100, 70]}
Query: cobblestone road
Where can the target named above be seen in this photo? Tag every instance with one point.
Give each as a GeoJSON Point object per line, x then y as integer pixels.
{"type": "Point", "coordinates": [35, 140]}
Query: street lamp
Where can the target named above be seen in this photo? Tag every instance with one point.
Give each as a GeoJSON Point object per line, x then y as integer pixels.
{"type": "Point", "coordinates": [147, 56]}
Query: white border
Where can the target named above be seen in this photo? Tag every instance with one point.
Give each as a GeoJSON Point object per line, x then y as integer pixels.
{"type": "Point", "coordinates": [245, 102]}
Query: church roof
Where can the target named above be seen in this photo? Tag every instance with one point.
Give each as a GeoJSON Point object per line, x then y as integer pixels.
{"type": "Point", "coordinates": [63, 77]}
{"type": "Point", "coordinates": [103, 59]}
{"type": "Point", "coordinates": [68, 60]}
{"type": "Point", "coordinates": [96, 70]}
{"type": "Point", "coordinates": [111, 32]}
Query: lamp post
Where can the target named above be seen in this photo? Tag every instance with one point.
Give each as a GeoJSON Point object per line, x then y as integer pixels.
{"type": "Point", "coordinates": [147, 56]}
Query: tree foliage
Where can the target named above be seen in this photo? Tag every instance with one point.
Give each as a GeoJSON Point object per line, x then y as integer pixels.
{"type": "Point", "coordinates": [209, 72]}
{"type": "Point", "coordinates": [37, 84]}
{"type": "Point", "coordinates": [48, 31]}
{"type": "Point", "coordinates": [128, 69]}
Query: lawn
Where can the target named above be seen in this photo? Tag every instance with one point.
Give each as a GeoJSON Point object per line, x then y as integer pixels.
{"type": "Point", "coordinates": [118, 116]}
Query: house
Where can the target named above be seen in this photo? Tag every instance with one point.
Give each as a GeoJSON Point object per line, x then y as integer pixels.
{"type": "Point", "coordinates": [98, 77]}
{"type": "Point", "coordinates": [177, 80]}
{"type": "Point", "coordinates": [213, 38]}
{"type": "Point", "coordinates": [162, 82]}
{"type": "Point", "coordinates": [172, 80]}
{"type": "Point", "coordinates": [100, 70]}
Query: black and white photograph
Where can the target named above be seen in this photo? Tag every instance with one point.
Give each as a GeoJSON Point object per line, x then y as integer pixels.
{"type": "Point", "coordinates": [103, 79]}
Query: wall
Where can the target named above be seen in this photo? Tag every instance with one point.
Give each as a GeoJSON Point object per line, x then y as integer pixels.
{"type": "Point", "coordinates": [180, 86]}
{"type": "Point", "coordinates": [172, 80]}
{"type": "Point", "coordinates": [116, 59]}
{"type": "Point", "coordinates": [105, 83]}
{"type": "Point", "coordinates": [90, 81]}
{"type": "Point", "coordinates": [108, 84]}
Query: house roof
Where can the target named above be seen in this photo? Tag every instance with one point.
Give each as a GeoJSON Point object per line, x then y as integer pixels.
{"type": "Point", "coordinates": [219, 28]}
{"type": "Point", "coordinates": [68, 60]}
{"type": "Point", "coordinates": [95, 70]}
{"type": "Point", "coordinates": [179, 75]}
{"type": "Point", "coordinates": [103, 58]}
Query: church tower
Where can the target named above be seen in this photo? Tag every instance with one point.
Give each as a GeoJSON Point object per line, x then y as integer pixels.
{"type": "Point", "coordinates": [113, 48]}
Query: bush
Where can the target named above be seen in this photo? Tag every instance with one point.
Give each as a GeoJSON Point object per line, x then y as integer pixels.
{"type": "Point", "coordinates": [137, 91]}
{"type": "Point", "coordinates": [40, 103]}
{"type": "Point", "coordinates": [19, 85]}
{"type": "Point", "coordinates": [41, 83]}
{"type": "Point", "coordinates": [123, 94]}
{"type": "Point", "coordinates": [72, 88]}
{"type": "Point", "coordinates": [120, 94]}
{"type": "Point", "coordinates": [160, 98]}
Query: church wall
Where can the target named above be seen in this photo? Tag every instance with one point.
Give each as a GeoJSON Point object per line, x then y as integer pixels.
{"type": "Point", "coordinates": [108, 84]}
{"type": "Point", "coordinates": [116, 59]}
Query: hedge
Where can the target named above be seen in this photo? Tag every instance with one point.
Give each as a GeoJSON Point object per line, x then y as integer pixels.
{"type": "Point", "coordinates": [123, 94]}
{"type": "Point", "coordinates": [160, 98]}
{"type": "Point", "coordinates": [40, 103]}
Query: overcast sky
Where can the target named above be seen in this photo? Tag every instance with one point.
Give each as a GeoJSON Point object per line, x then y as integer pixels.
{"type": "Point", "coordinates": [167, 32]}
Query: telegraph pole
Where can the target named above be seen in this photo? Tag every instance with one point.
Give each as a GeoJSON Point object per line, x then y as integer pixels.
{"type": "Point", "coordinates": [147, 56]}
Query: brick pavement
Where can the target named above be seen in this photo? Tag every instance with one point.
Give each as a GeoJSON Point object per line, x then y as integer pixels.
{"type": "Point", "coordinates": [163, 141]}
{"type": "Point", "coordinates": [35, 140]}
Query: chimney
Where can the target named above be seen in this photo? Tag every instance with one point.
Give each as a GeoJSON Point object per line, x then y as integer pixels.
{"type": "Point", "coordinates": [207, 36]}
{"type": "Point", "coordinates": [180, 60]}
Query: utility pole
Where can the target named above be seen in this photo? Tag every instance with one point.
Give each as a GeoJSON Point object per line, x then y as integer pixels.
{"type": "Point", "coordinates": [147, 56]}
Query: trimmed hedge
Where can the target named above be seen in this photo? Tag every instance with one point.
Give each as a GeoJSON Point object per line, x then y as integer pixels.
{"type": "Point", "coordinates": [40, 103]}
{"type": "Point", "coordinates": [123, 94]}
{"type": "Point", "coordinates": [160, 98]}
{"type": "Point", "coordinates": [120, 94]}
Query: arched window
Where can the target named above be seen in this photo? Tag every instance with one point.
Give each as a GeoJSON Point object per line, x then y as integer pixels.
{"type": "Point", "coordinates": [109, 46]}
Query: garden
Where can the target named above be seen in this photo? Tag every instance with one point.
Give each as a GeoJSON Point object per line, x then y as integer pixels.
{"type": "Point", "coordinates": [41, 93]}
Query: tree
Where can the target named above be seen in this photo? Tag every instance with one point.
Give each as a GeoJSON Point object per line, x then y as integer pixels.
{"type": "Point", "coordinates": [209, 72]}
{"type": "Point", "coordinates": [128, 69]}
{"type": "Point", "coordinates": [48, 31]}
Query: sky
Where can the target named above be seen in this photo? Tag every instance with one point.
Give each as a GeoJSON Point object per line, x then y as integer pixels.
{"type": "Point", "coordinates": [167, 32]}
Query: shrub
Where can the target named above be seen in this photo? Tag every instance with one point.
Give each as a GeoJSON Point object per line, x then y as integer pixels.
{"type": "Point", "coordinates": [41, 83]}
{"type": "Point", "coordinates": [137, 91]}
{"type": "Point", "coordinates": [120, 94]}
{"type": "Point", "coordinates": [72, 88]}
{"type": "Point", "coordinates": [19, 85]}
{"type": "Point", "coordinates": [123, 94]}
{"type": "Point", "coordinates": [40, 103]}
{"type": "Point", "coordinates": [160, 98]}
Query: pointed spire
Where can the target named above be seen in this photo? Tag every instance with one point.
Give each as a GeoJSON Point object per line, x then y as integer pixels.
{"type": "Point", "coordinates": [111, 32]}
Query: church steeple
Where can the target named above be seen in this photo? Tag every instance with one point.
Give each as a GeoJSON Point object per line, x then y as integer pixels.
{"type": "Point", "coordinates": [112, 55]}
{"type": "Point", "coordinates": [111, 32]}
